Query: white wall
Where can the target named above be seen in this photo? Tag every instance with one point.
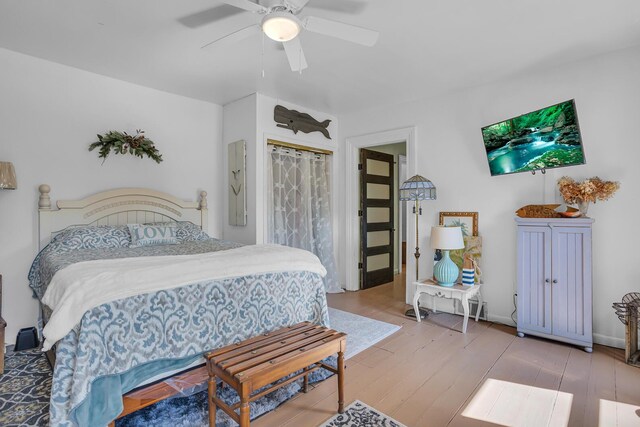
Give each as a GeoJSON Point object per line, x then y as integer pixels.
{"type": "Point", "coordinates": [49, 114]}
{"type": "Point", "coordinates": [450, 152]}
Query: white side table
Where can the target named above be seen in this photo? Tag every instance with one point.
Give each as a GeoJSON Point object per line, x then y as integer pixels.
{"type": "Point", "coordinates": [459, 292]}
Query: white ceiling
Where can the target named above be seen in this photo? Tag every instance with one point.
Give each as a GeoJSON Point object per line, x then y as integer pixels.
{"type": "Point", "coordinates": [426, 46]}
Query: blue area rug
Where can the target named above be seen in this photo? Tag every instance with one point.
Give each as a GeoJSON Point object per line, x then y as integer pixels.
{"type": "Point", "coordinates": [24, 389]}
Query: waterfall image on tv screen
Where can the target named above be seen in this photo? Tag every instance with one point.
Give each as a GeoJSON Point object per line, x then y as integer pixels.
{"type": "Point", "coordinates": [543, 139]}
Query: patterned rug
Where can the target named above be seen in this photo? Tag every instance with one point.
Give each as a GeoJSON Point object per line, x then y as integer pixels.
{"type": "Point", "coordinates": [24, 389]}
{"type": "Point", "coordinates": [360, 414]}
{"type": "Point", "coordinates": [26, 384]}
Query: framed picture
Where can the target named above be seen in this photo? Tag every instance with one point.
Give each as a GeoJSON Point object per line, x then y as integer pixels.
{"type": "Point", "coordinates": [468, 221]}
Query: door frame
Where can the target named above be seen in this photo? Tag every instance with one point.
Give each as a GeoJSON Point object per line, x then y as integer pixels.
{"type": "Point", "coordinates": [402, 177]}
{"type": "Point", "coordinates": [408, 135]}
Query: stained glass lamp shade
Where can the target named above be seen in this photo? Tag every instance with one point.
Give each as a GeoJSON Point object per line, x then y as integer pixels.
{"type": "Point", "coordinates": [417, 188]}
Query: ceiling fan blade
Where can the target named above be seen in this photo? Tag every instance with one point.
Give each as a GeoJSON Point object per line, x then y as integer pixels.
{"type": "Point", "coordinates": [344, 6]}
{"type": "Point", "coordinates": [246, 5]}
{"type": "Point", "coordinates": [236, 36]}
{"type": "Point", "coordinates": [296, 5]}
{"type": "Point", "coordinates": [209, 16]}
{"type": "Point", "coordinates": [342, 31]}
{"type": "Point", "coordinates": [295, 55]}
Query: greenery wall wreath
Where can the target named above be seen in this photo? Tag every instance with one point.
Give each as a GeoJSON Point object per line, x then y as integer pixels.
{"type": "Point", "coordinates": [123, 143]}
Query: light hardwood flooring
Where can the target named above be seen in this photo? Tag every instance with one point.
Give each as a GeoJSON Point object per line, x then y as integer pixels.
{"type": "Point", "coordinates": [430, 374]}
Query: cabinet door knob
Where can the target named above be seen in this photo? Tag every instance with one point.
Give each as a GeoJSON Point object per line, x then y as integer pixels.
{"type": "Point", "coordinates": [555, 281]}
{"type": "Point", "coordinates": [546, 280]}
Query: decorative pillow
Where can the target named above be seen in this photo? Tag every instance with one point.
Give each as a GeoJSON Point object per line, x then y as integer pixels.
{"type": "Point", "coordinates": [186, 231]}
{"type": "Point", "coordinates": [148, 235]}
{"type": "Point", "coordinates": [90, 237]}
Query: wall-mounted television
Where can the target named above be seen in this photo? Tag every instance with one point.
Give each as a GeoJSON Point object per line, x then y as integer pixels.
{"type": "Point", "coordinates": [543, 139]}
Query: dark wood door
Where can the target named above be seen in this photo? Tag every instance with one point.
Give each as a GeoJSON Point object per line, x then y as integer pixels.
{"type": "Point", "coordinates": [376, 212]}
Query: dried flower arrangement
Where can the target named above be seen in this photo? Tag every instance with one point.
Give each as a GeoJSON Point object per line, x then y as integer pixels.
{"type": "Point", "coordinates": [123, 143]}
{"type": "Point", "coordinates": [589, 190]}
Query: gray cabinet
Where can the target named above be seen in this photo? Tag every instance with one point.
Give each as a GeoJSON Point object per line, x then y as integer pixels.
{"type": "Point", "coordinates": [554, 279]}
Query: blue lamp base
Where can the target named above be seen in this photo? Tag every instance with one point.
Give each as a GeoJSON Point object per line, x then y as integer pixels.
{"type": "Point", "coordinates": [446, 271]}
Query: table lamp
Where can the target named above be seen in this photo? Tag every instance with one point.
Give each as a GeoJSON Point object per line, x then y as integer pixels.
{"type": "Point", "coordinates": [7, 176]}
{"type": "Point", "coordinates": [446, 239]}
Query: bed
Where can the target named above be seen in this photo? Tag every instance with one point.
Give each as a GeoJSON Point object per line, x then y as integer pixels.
{"type": "Point", "coordinates": [119, 317]}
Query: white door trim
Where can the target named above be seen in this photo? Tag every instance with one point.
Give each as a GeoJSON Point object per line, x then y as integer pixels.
{"type": "Point", "coordinates": [353, 145]}
{"type": "Point", "coordinates": [402, 177]}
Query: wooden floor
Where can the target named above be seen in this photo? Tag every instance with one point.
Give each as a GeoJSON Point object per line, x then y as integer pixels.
{"type": "Point", "coordinates": [429, 374]}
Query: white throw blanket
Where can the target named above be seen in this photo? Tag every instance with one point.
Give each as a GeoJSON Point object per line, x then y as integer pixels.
{"type": "Point", "coordinates": [80, 287]}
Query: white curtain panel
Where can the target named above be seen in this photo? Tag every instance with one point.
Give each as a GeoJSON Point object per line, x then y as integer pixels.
{"type": "Point", "coordinates": [299, 205]}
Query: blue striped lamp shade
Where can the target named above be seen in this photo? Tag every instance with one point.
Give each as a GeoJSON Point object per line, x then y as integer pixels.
{"type": "Point", "coordinates": [417, 188]}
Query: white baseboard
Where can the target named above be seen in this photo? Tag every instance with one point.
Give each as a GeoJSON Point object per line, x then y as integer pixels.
{"type": "Point", "coordinates": [608, 341]}
{"type": "Point", "coordinates": [505, 320]}
{"type": "Point", "coordinates": [597, 338]}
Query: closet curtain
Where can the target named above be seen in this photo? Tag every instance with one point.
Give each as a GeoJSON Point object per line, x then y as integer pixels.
{"type": "Point", "coordinates": [299, 205]}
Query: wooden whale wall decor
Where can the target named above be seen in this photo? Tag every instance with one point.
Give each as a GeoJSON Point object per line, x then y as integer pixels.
{"type": "Point", "coordinates": [297, 121]}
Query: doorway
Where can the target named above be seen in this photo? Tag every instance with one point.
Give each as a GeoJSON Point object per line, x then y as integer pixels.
{"type": "Point", "coordinates": [380, 220]}
{"type": "Point", "coordinates": [352, 200]}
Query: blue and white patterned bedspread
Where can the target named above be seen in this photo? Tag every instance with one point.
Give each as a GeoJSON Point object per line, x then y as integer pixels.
{"type": "Point", "coordinates": [118, 345]}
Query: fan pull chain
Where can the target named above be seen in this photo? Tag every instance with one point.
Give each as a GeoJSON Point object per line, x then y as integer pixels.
{"type": "Point", "coordinates": [262, 57]}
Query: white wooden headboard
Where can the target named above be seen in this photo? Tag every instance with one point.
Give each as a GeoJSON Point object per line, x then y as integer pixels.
{"type": "Point", "coordinates": [117, 207]}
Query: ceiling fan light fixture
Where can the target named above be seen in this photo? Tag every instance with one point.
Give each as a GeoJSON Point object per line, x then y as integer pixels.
{"type": "Point", "coordinates": [281, 26]}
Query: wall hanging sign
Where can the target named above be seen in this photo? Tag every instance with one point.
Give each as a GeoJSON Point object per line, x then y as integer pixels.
{"type": "Point", "coordinates": [237, 178]}
{"type": "Point", "coordinates": [123, 143]}
{"type": "Point", "coordinates": [297, 121]}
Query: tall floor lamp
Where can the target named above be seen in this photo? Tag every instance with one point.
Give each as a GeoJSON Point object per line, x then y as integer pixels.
{"type": "Point", "coordinates": [416, 189]}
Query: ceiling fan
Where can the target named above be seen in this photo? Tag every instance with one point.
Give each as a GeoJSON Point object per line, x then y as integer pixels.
{"type": "Point", "coordinates": [280, 22]}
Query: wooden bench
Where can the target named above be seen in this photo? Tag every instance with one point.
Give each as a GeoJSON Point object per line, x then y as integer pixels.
{"type": "Point", "coordinates": [254, 363]}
